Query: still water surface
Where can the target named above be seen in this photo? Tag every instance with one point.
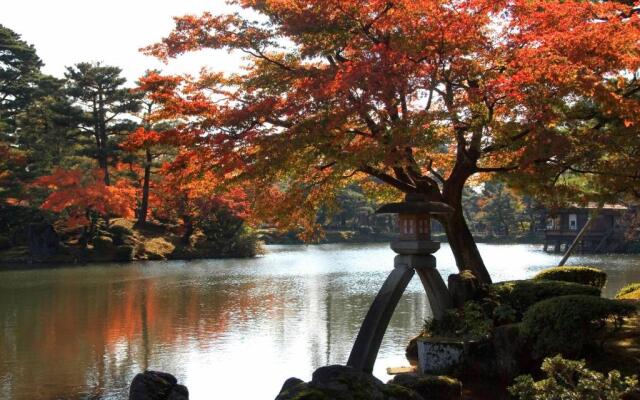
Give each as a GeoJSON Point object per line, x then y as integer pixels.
{"type": "Point", "coordinates": [231, 329]}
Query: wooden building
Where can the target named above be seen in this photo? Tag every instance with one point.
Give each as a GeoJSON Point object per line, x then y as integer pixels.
{"type": "Point", "coordinates": [605, 234]}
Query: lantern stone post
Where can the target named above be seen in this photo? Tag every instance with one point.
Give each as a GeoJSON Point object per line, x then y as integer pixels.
{"type": "Point", "coordinates": [415, 254]}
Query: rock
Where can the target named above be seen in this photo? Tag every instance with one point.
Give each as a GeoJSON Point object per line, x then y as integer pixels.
{"type": "Point", "coordinates": [102, 243]}
{"type": "Point", "coordinates": [411, 352]}
{"type": "Point", "coordinates": [43, 241]}
{"type": "Point", "coordinates": [465, 287]}
{"type": "Point", "coordinates": [431, 387]}
{"type": "Point", "coordinates": [480, 360]}
{"type": "Point", "coordinates": [124, 253]}
{"type": "Point", "coordinates": [154, 385]}
{"type": "Point", "coordinates": [337, 382]}
{"type": "Point", "coordinates": [440, 355]}
{"type": "Point", "coordinates": [507, 345]}
{"type": "Point", "coordinates": [290, 384]}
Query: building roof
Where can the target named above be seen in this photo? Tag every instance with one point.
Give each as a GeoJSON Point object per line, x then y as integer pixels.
{"type": "Point", "coordinates": [592, 205]}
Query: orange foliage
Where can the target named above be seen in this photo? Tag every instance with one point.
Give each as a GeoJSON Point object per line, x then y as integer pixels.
{"type": "Point", "coordinates": [141, 139]}
{"type": "Point", "coordinates": [76, 193]}
{"type": "Point", "coordinates": [421, 95]}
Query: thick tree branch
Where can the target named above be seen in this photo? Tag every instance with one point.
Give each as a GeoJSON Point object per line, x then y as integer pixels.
{"type": "Point", "coordinates": [386, 178]}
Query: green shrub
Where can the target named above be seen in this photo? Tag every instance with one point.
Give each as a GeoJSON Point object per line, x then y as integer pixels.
{"type": "Point", "coordinates": [124, 253]}
{"type": "Point", "coordinates": [15, 221]}
{"type": "Point", "coordinates": [628, 290]}
{"type": "Point", "coordinates": [228, 236]}
{"type": "Point", "coordinates": [470, 322]}
{"type": "Point", "coordinates": [521, 295]}
{"type": "Point", "coordinates": [569, 324]}
{"type": "Point", "coordinates": [577, 274]}
{"type": "Point", "coordinates": [567, 379]}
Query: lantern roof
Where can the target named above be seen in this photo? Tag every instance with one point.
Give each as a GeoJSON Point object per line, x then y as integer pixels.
{"type": "Point", "coordinates": [415, 204]}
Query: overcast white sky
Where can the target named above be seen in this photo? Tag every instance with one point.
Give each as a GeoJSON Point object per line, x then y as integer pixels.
{"type": "Point", "coordinates": [65, 32]}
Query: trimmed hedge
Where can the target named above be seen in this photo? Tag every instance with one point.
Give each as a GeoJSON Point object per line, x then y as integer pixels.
{"type": "Point", "coordinates": [569, 324]}
{"type": "Point", "coordinates": [577, 274]}
{"type": "Point", "coordinates": [521, 295]}
{"type": "Point", "coordinates": [630, 291]}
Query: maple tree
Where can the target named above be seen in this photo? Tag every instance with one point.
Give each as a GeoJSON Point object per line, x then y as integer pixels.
{"type": "Point", "coordinates": [199, 201]}
{"type": "Point", "coordinates": [149, 142]}
{"type": "Point", "coordinates": [419, 95]}
{"type": "Point", "coordinates": [82, 196]}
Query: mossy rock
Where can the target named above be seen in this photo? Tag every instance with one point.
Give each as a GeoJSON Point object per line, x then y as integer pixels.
{"type": "Point", "coordinates": [17, 254]}
{"type": "Point", "coordinates": [122, 235]}
{"type": "Point", "coordinates": [521, 295]}
{"type": "Point", "coordinates": [629, 292]}
{"type": "Point", "coordinates": [102, 243]}
{"type": "Point", "coordinates": [120, 230]}
{"type": "Point", "coordinates": [338, 382]}
{"type": "Point", "coordinates": [432, 387]}
{"type": "Point", "coordinates": [124, 253]}
{"type": "Point", "coordinates": [103, 232]}
{"type": "Point", "coordinates": [577, 274]}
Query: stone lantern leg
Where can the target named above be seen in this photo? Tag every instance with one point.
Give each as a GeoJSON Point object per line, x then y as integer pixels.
{"type": "Point", "coordinates": [414, 248]}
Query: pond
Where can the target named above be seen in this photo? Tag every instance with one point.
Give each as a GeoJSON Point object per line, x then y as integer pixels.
{"type": "Point", "coordinates": [226, 328]}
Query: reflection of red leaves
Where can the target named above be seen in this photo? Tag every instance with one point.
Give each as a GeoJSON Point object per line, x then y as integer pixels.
{"type": "Point", "coordinates": [75, 193]}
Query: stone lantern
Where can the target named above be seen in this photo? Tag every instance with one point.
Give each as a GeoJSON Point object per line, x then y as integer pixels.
{"type": "Point", "coordinates": [414, 248]}
{"type": "Point", "coordinates": [414, 223]}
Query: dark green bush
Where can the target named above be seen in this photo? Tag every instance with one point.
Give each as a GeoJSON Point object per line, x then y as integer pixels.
{"type": "Point", "coordinates": [577, 274]}
{"type": "Point", "coordinates": [124, 253]}
{"type": "Point", "coordinates": [569, 324]}
{"type": "Point", "coordinates": [228, 236]}
{"type": "Point", "coordinates": [15, 221]}
{"type": "Point", "coordinates": [628, 290]}
{"type": "Point", "coordinates": [568, 379]}
{"type": "Point", "coordinates": [521, 295]}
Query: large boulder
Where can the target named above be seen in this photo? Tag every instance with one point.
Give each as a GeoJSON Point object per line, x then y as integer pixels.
{"type": "Point", "coordinates": [411, 351]}
{"type": "Point", "coordinates": [43, 241]}
{"type": "Point", "coordinates": [431, 387]}
{"type": "Point", "coordinates": [154, 385]}
{"type": "Point", "coordinates": [337, 382]}
{"type": "Point", "coordinates": [465, 287]}
{"type": "Point", "coordinates": [510, 355]}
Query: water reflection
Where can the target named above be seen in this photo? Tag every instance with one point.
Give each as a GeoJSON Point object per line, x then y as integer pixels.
{"type": "Point", "coordinates": [227, 328]}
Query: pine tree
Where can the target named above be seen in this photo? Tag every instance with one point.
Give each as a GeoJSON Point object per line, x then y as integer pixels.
{"type": "Point", "coordinates": [99, 90]}
{"type": "Point", "coordinates": [19, 70]}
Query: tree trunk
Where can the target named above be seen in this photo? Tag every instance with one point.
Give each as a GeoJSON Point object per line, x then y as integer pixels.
{"type": "Point", "coordinates": [144, 205]}
{"type": "Point", "coordinates": [462, 243]}
{"type": "Point", "coordinates": [104, 140]}
{"type": "Point", "coordinates": [188, 229]}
